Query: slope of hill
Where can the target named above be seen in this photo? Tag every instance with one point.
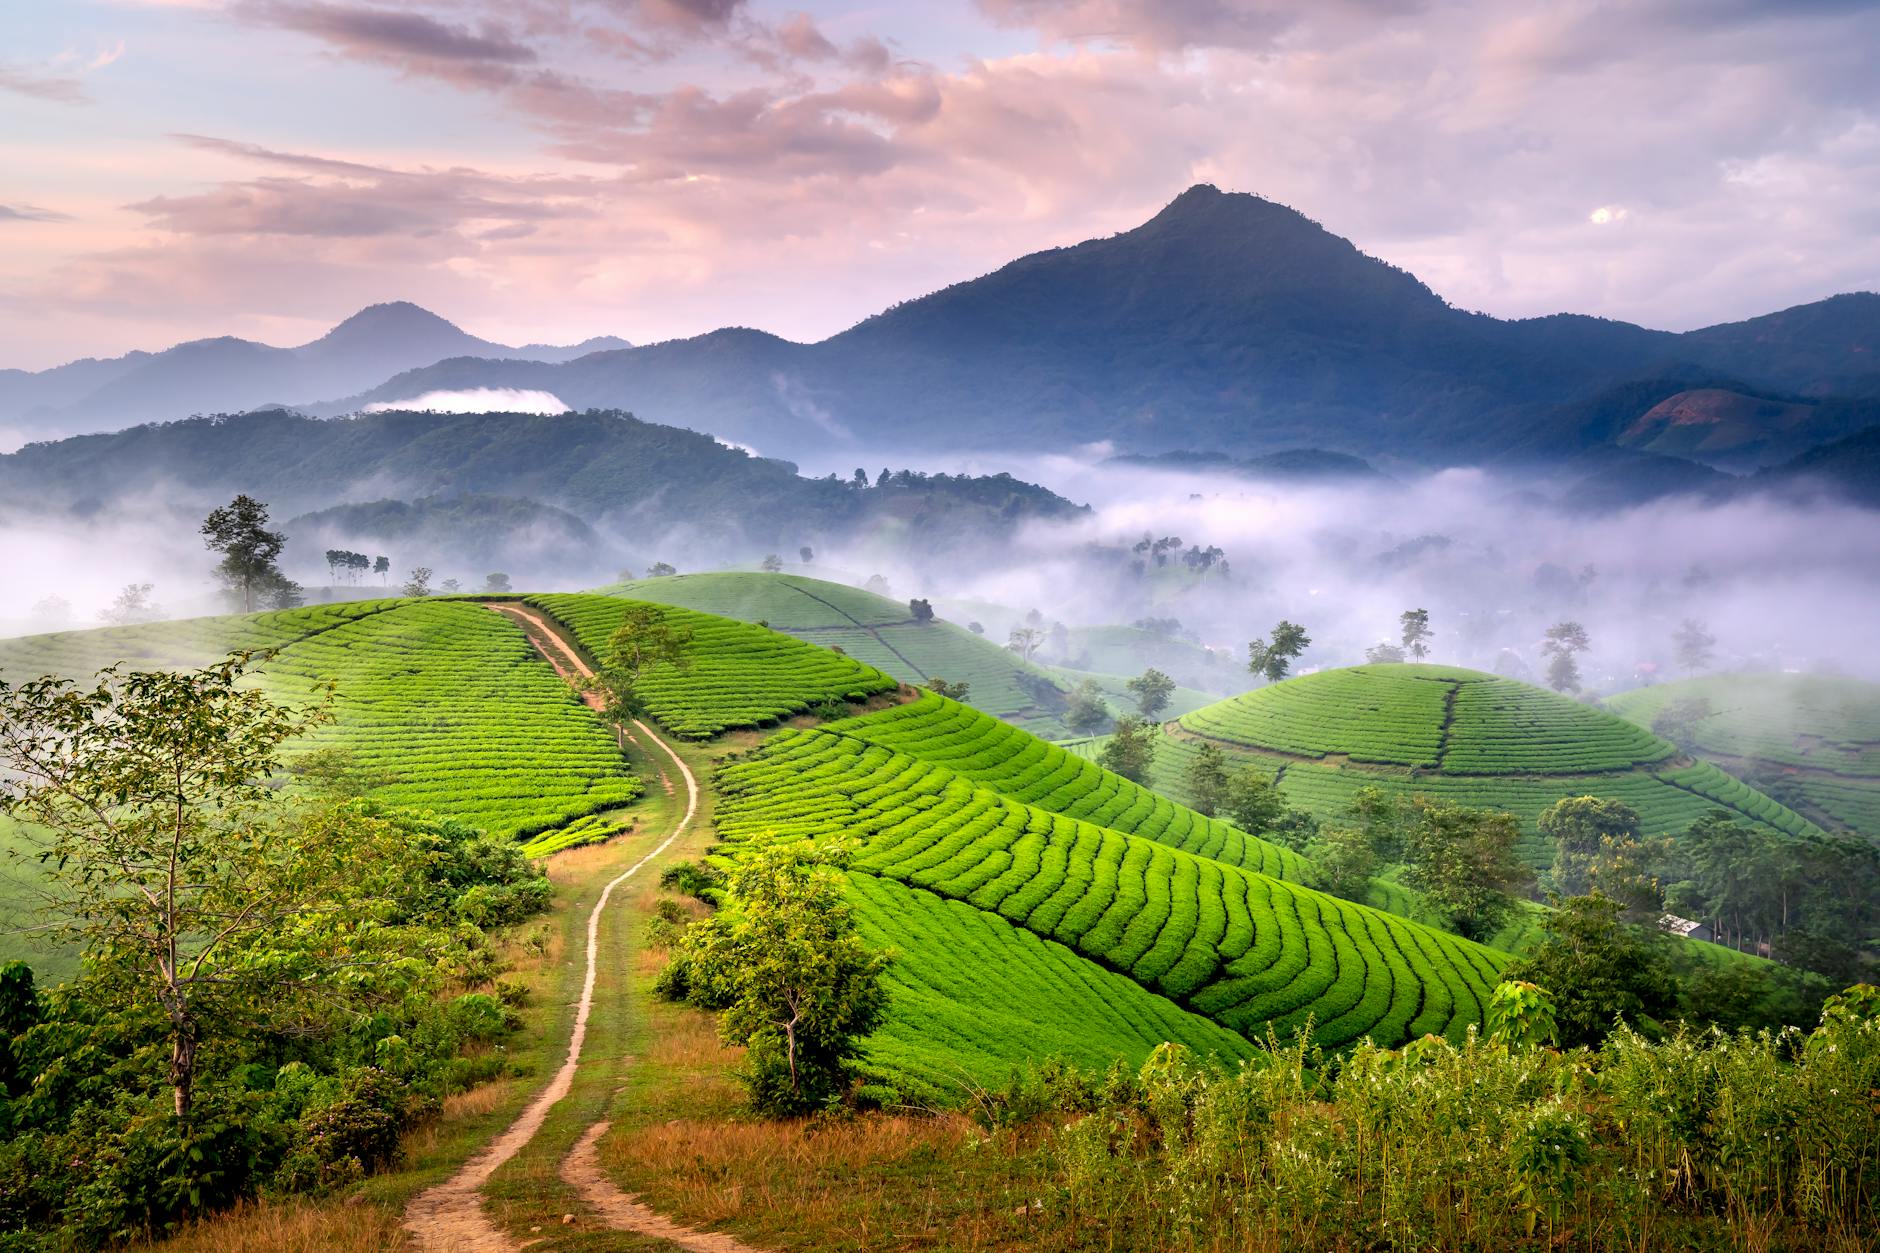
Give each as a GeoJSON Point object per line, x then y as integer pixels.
{"type": "Point", "coordinates": [1847, 469]}
{"type": "Point", "coordinates": [597, 465]}
{"type": "Point", "coordinates": [1808, 740]}
{"type": "Point", "coordinates": [225, 374]}
{"type": "Point", "coordinates": [1242, 948]}
{"type": "Point", "coordinates": [1462, 736]}
{"type": "Point", "coordinates": [874, 630]}
{"type": "Point", "coordinates": [472, 533]}
{"type": "Point", "coordinates": [1226, 321]}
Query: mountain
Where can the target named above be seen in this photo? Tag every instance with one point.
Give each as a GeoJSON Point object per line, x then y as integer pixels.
{"type": "Point", "coordinates": [658, 483]}
{"type": "Point", "coordinates": [1847, 469]}
{"type": "Point", "coordinates": [1226, 321]}
{"type": "Point", "coordinates": [226, 374]}
{"type": "Point", "coordinates": [1299, 465]}
{"type": "Point", "coordinates": [458, 534]}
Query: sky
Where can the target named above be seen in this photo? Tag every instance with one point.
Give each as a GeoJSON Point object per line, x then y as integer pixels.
{"type": "Point", "coordinates": [548, 170]}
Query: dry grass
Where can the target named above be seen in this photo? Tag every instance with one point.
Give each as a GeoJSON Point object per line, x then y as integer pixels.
{"type": "Point", "coordinates": [291, 1227]}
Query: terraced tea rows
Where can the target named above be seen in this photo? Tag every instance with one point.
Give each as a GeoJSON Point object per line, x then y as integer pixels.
{"type": "Point", "coordinates": [1500, 745]}
{"type": "Point", "coordinates": [1245, 949]}
{"type": "Point", "coordinates": [1438, 717]}
{"type": "Point", "coordinates": [183, 644]}
{"type": "Point", "coordinates": [740, 675]}
{"type": "Point", "coordinates": [1024, 768]}
{"type": "Point", "coordinates": [1814, 740]}
{"type": "Point", "coordinates": [873, 630]}
{"type": "Point", "coordinates": [446, 706]}
{"type": "Point", "coordinates": [995, 996]}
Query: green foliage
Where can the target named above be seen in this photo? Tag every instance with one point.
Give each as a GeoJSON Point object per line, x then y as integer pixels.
{"type": "Point", "coordinates": [1578, 826]}
{"type": "Point", "coordinates": [1087, 713]}
{"type": "Point", "coordinates": [1346, 860]}
{"type": "Point", "coordinates": [795, 985]}
{"type": "Point", "coordinates": [1679, 721]}
{"type": "Point", "coordinates": [1462, 861]}
{"type": "Point", "coordinates": [1563, 644]}
{"type": "Point", "coordinates": [952, 691]}
{"type": "Point", "coordinates": [1130, 750]}
{"type": "Point", "coordinates": [1271, 658]}
{"type": "Point", "coordinates": [1521, 1016]}
{"type": "Point", "coordinates": [1207, 779]}
{"type": "Point", "coordinates": [1151, 689]}
{"type": "Point", "coordinates": [239, 531]}
{"type": "Point", "coordinates": [1598, 970]}
{"type": "Point", "coordinates": [646, 637]}
{"type": "Point", "coordinates": [1415, 624]}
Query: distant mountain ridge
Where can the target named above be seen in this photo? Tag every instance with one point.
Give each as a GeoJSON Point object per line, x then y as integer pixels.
{"type": "Point", "coordinates": [226, 374]}
{"type": "Point", "coordinates": [1226, 321]}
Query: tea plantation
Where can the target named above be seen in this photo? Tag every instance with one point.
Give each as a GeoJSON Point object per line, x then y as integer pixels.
{"type": "Point", "coordinates": [1245, 949]}
{"type": "Point", "coordinates": [1809, 740]}
{"type": "Point", "coordinates": [1456, 735]}
{"type": "Point", "coordinates": [875, 631]}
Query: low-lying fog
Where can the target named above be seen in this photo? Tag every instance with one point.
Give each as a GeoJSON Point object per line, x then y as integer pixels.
{"type": "Point", "coordinates": [1779, 584]}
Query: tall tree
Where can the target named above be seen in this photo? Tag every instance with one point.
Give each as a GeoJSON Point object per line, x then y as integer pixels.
{"type": "Point", "coordinates": [132, 604]}
{"type": "Point", "coordinates": [153, 792]}
{"type": "Point", "coordinates": [645, 637]}
{"type": "Point", "coordinates": [1087, 713]}
{"type": "Point", "coordinates": [1272, 658]}
{"type": "Point", "coordinates": [497, 583]}
{"type": "Point", "coordinates": [1597, 970]}
{"type": "Point", "coordinates": [921, 610]}
{"type": "Point", "coordinates": [1564, 643]}
{"type": "Point", "coordinates": [1130, 750]}
{"type": "Point", "coordinates": [381, 566]}
{"type": "Point", "coordinates": [1578, 825]}
{"type": "Point", "coordinates": [1152, 690]}
{"type": "Point", "coordinates": [1696, 646]}
{"type": "Point", "coordinates": [419, 584]}
{"type": "Point", "coordinates": [1252, 801]}
{"type": "Point", "coordinates": [239, 531]}
{"type": "Point", "coordinates": [1025, 641]}
{"type": "Point", "coordinates": [772, 564]}
{"type": "Point", "coordinates": [1416, 632]}
{"type": "Point", "coordinates": [1346, 861]}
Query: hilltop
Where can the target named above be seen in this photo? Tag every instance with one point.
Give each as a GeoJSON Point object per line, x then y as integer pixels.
{"type": "Point", "coordinates": [1226, 321]}
{"type": "Point", "coordinates": [1463, 736]}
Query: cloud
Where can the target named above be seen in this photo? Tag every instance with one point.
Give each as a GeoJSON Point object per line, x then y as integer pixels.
{"type": "Point", "coordinates": [478, 400]}
{"type": "Point", "coordinates": [413, 43]}
{"type": "Point", "coordinates": [59, 88]}
{"type": "Point", "coordinates": [31, 213]}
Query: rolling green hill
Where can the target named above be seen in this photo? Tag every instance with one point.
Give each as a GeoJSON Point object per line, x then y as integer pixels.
{"type": "Point", "coordinates": [1809, 740]}
{"type": "Point", "coordinates": [1456, 735]}
{"type": "Point", "coordinates": [1139, 886]}
{"type": "Point", "coordinates": [875, 631]}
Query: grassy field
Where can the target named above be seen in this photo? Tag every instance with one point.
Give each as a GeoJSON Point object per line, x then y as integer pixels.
{"type": "Point", "coordinates": [1457, 735]}
{"type": "Point", "coordinates": [1810, 740]}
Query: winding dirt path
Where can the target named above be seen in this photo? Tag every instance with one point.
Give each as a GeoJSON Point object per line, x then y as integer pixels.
{"type": "Point", "coordinates": [449, 1217]}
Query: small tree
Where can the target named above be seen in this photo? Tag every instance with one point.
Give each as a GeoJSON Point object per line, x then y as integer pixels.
{"type": "Point", "coordinates": [952, 691]}
{"type": "Point", "coordinates": [1130, 750]}
{"type": "Point", "coordinates": [1152, 690]}
{"type": "Point", "coordinates": [1345, 859]}
{"type": "Point", "coordinates": [921, 610]}
{"type": "Point", "coordinates": [152, 793]}
{"type": "Point", "coordinates": [381, 566]}
{"type": "Point", "coordinates": [772, 564]}
{"type": "Point", "coordinates": [1564, 643]}
{"type": "Point", "coordinates": [1680, 721]}
{"type": "Point", "coordinates": [239, 531]}
{"type": "Point", "coordinates": [1025, 641]}
{"type": "Point", "coordinates": [1520, 1017]}
{"type": "Point", "coordinates": [1087, 713]}
{"type": "Point", "coordinates": [1382, 816]}
{"type": "Point", "coordinates": [660, 569]}
{"type": "Point", "coordinates": [497, 583]}
{"type": "Point", "coordinates": [796, 987]}
{"type": "Point", "coordinates": [450, 587]}
{"type": "Point", "coordinates": [52, 611]}
{"type": "Point", "coordinates": [1272, 658]}
{"type": "Point", "coordinates": [1252, 802]}
{"type": "Point", "coordinates": [1462, 861]}
{"type": "Point", "coordinates": [1382, 654]}
{"type": "Point", "coordinates": [807, 553]}
{"type": "Point", "coordinates": [1416, 632]}
{"type": "Point", "coordinates": [132, 604]}
{"type": "Point", "coordinates": [977, 628]}
{"type": "Point", "coordinates": [419, 584]}
{"type": "Point", "coordinates": [645, 637]}
{"type": "Point", "coordinates": [878, 585]}
{"type": "Point", "coordinates": [1207, 780]}
{"type": "Point", "coordinates": [1696, 646]}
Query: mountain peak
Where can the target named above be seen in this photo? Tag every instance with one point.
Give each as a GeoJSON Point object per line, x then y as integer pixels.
{"type": "Point", "coordinates": [399, 316]}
